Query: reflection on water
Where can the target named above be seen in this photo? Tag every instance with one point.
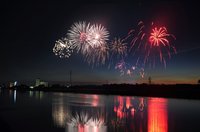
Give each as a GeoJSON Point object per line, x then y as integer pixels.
{"type": "Point", "coordinates": [60, 113]}
{"type": "Point", "coordinates": [39, 94]}
{"type": "Point", "coordinates": [14, 93]}
{"type": "Point", "coordinates": [79, 113]}
{"type": "Point", "coordinates": [97, 113]}
{"type": "Point", "coordinates": [31, 93]}
{"type": "Point", "coordinates": [129, 114]}
{"type": "Point", "coordinates": [15, 96]}
{"type": "Point", "coordinates": [157, 115]}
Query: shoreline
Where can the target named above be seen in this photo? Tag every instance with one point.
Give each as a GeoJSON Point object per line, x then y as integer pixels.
{"type": "Point", "coordinates": [184, 91]}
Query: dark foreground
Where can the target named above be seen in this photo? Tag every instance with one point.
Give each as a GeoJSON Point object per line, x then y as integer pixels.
{"type": "Point", "coordinates": [186, 91]}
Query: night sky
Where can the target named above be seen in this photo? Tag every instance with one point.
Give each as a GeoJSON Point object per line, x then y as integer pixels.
{"type": "Point", "coordinates": [29, 31]}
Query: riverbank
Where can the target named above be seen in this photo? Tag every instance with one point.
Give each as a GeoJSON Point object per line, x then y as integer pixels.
{"type": "Point", "coordinates": [186, 91]}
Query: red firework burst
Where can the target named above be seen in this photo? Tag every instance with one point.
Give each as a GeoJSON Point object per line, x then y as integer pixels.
{"type": "Point", "coordinates": [159, 36]}
{"type": "Point", "coordinates": [147, 45]}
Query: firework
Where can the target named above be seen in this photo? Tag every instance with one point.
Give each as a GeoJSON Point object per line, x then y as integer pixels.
{"type": "Point", "coordinates": [118, 51]}
{"type": "Point", "coordinates": [119, 47]}
{"type": "Point", "coordinates": [97, 36]}
{"type": "Point", "coordinates": [91, 41]}
{"type": "Point", "coordinates": [126, 68]}
{"type": "Point", "coordinates": [63, 48]}
{"type": "Point", "coordinates": [86, 36]}
{"type": "Point", "coordinates": [147, 46]}
{"type": "Point", "coordinates": [159, 36]}
{"type": "Point", "coordinates": [99, 50]}
{"type": "Point", "coordinates": [78, 34]}
{"type": "Point", "coordinates": [121, 66]}
{"type": "Point", "coordinates": [142, 45]}
{"type": "Point", "coordinates": [159, 44]}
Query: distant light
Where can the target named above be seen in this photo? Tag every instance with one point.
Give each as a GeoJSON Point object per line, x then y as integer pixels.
{"type": "Point", "coordinates": [15, 83]}
{"type": "Point", "coordinates": [31, 87]}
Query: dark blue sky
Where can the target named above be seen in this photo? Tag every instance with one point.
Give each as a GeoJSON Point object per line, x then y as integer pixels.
{"type": "Point", "coordinates": [29, 31]}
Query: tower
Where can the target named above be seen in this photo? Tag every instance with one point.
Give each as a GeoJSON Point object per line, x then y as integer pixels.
{"type": "Point", "coordinates": [149, 80]}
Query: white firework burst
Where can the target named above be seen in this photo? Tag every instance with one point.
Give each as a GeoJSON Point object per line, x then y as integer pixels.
{"type": "Point", "coordinates": [98, 35]}
{"type": "Point", "coordinates": [89, 40]}
{"type": "Point", "coordinates": [63, 48]}
{"type": "Point", "coordinates": [78, 34]}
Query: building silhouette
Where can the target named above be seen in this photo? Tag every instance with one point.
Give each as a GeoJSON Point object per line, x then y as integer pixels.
{"type": "Point", "coordinates": [38, 82]}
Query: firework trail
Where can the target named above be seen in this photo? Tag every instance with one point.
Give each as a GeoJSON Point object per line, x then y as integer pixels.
{"type": "Point", "coordinates": [98, 55]}
{"type": "Point", "coordinates": [63, 48]}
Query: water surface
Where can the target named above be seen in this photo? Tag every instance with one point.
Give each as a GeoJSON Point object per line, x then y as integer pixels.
{"type": "Point", "coordinates": [66, 112]}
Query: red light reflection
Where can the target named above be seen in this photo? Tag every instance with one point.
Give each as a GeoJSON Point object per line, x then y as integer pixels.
{"type": "Point", "coordinates": [157, 115]}
{"type": "Point", "coordinates": [128, 102]}
{"type": "Point", "coordinates": [95, 100]}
